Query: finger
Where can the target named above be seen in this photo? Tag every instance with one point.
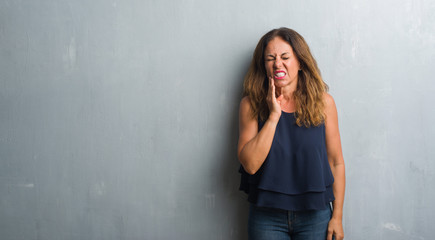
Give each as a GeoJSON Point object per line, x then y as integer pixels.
{"type": "Point", "coordinates": [273, 88]}
{"type": "Point", "coordinates": [277, 93]}
{"type": "Point", "coordinates": [270, 87]}
{"type": "Point", "coordinates": [329, 235]}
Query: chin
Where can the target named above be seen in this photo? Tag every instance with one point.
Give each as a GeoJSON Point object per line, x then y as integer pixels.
{"type": "Point", "coordinates": [280, 83]}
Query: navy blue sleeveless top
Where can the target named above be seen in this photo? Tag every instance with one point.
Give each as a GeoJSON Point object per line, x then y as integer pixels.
{"type": "Point", "coordinates": [296, 174]}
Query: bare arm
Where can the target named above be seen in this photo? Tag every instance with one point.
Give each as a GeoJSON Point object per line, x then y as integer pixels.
{"type": "Point", "coordinates": [336, 162]}
{"type": "Point", "coordinates": [254, 145]}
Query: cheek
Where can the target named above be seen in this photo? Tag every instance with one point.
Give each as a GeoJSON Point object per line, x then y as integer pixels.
{"type": "Point", "coordinates": [292, 68]}
{"type": "Point", "coordinates": [268, 68]}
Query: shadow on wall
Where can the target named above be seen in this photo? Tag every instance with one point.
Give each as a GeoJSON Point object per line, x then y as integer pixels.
{"type": "Point", "coordinates": [228, 171]}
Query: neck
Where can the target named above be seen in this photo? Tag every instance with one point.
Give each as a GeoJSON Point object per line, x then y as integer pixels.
{"type": "Point", "coordinates": [286, 92]}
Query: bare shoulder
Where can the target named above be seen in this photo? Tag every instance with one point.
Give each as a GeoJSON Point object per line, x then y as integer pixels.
{"type": "Point", "coordinates": [329, 101]}
{"type": "Point", "coordinates": [246, 102]}
{"type": "Point", "coordinates": [246, 111]}
{"type": "Point", "coordinates": [245, 105]}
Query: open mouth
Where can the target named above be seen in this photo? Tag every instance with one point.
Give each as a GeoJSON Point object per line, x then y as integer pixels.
{"type": "Point", "coordinates": [279, 74]}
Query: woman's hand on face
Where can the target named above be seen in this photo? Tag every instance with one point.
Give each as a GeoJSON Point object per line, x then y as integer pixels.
{"type": "Point", "coordinates": [273, 102]}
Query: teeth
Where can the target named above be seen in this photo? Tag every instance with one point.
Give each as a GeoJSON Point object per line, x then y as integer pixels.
{"type": "Point", "coordinates": [280, 74]}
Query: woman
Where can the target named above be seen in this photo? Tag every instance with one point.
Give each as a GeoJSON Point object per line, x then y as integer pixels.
{"type": "Point", "coordinates": [289, 144]}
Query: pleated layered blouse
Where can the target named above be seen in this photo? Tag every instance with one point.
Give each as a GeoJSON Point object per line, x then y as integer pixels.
{"type": "Point", "coordinates": [296, 174]}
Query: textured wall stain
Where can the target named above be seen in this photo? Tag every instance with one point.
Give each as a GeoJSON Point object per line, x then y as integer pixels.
{"type": "Point", "coordinates": [99, 189]}
{"type": "Point", "coordinates": [70, 55]}
{"type": "Point", "coordinates": [23, 185]}
{"type": "Point", "coordinates": [355, 43]}
{"type": "Point", "coordinates": [210, 200]}
{"type": "Point", "coordinates": [392, 227]}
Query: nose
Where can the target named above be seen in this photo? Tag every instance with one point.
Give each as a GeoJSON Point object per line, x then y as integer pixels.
{"type": "Point", "coordinates": [277, 63]}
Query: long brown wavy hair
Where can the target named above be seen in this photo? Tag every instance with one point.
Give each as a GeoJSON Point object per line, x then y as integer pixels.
{"type": "Point", "coordinates": [308, 95]}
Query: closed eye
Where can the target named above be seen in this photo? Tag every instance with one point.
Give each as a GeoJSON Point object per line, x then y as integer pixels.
{"type": "Point", "coordinates": [285, 56]}
{"type": "Point", "coordinates": [270, 58]}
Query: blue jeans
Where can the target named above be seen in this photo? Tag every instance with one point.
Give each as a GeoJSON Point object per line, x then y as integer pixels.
{"type": "Point", "coordinates": [276, 224]}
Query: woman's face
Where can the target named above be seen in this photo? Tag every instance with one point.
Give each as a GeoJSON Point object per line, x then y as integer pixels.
{"type": "Point", "coordinates": [281, 63]}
